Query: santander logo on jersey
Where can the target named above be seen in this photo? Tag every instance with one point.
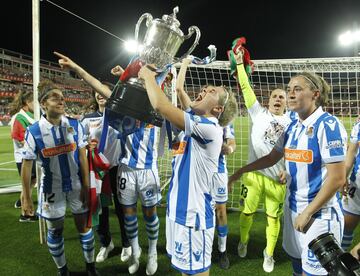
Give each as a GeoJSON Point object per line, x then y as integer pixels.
{"type": "Point", "coordinates": [50, 152]}
{"type": "Point", "coordinates": [299, 155]}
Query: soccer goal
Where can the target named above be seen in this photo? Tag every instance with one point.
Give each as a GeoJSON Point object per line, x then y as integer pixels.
{"type": "Point", "coordinates": [343, 75]}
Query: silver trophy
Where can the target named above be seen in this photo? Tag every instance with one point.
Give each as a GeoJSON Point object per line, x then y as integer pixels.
{"type": "Point", "coordinates": [162, 41]}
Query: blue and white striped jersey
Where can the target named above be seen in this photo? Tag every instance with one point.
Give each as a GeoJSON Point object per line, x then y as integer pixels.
{"type": "Point", "coordinates": [292, 115]}
{"type": "Point", "coordinates": [196, 155]}
{"type": "Point", "coordinates": [57, 150]}
{"type": "Point", "coordinates": [228, 133]}
{"type": "Point", "coordinates": [308, 146]}
{"type": "Point", "coordinates": [139, 148]}
{"type": "Point", "coordinates": [93, 130]}
{"type": "Point", "coordinates": [355, 139]}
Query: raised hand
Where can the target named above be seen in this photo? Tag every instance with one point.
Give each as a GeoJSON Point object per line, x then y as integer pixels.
{"type": "Point", "coordinates": [65, 62]}
{"type": "Point", "coordinates": [147, 70]}
{"type": "Point", "coordinates": [239, 56]}
{"type": "Point", "coordinates": [117, 71]}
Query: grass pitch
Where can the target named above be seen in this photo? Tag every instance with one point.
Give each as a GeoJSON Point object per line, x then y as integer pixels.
{"type": "Point", "coordinates": [21, 253]}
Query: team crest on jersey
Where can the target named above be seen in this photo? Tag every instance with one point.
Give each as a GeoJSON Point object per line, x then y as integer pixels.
{"type": "Point", "coordinates": [310, 132]}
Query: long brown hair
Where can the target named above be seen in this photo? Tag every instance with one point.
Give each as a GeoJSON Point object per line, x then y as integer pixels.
{"type": "Point", "coordinates": [20, 101]}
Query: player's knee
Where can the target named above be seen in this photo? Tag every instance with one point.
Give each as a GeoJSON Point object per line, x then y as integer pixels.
{"type": "Point", "coordinates": [351, 222]}
{"type": "Point", "coordinates": [272, 217]}
{"type": "Point", "coordinates": [55, 224]}
{"type": "Point", "coordinates": [129, 211]}
{"type": "Point", "coordinates": [55, 232]}
{"type": "Point", "coordinates": [55, 228]}
{"type": "Point", "coordinates": [248, 214]}
{"type": "Point", "coordinates": [149, 211]}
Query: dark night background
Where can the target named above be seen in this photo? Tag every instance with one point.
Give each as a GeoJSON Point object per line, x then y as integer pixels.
{"type": "Point", "coordinates": [274, 29]}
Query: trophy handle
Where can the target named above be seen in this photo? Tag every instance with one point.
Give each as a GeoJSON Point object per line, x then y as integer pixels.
{"type": "Point", "coordinates": [149, 19]}
{"type": "Point", "coordinates": [191, 30]}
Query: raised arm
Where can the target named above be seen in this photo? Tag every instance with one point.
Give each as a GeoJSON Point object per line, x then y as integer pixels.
{"type": "Point", "coordinates": [66, 62]}
{"type": "Point", "coordinates": [159, 101]}
{"type": "Point", "coordinates": [180, 84]}
{"type": "Point", "coordinates": [243, 79]}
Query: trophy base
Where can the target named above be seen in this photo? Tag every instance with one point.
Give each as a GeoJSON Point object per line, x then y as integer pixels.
{"type": "Point", "coordinates": [131, 99]}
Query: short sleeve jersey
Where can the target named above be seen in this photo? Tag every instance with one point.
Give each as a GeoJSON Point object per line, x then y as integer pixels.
{"type": "Point", "coordinates": [93, 127]}
{"type": "Point", "coordinates": [57, 150]}
{"type": "Point", "coordinates": [194, 164]}
{"type": "Point", "coordinates": [308, 146]}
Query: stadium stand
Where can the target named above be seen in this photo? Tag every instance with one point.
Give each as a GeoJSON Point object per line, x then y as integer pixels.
{"type": "Point", "coordinates": [16, 75]}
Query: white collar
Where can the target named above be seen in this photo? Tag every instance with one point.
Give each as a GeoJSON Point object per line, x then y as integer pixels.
{"type": "Point", "coordinates": [313, 117]}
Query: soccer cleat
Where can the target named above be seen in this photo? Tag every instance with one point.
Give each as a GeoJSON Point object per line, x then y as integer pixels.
{"type": "Point", "coordinates": [152, 264]}
{"type": "Point", "coordinates": [63, 271]}
{"type": "Point", "coordinates": [91, 270]}
{"type": "Point", "coordinates": [223, 260]}
{"type": "Point", "coordinates": [269, 262]}
{"type": "Point", "coordinates": [134, 263]}
{"type": "Point", "coordinates": [242, 249]}
{"type": "Point", "coordinates": [104, 252]}
{"type": "Point", "coordinates": [26, 218]}
{"type": "Point", "coordinates": [17, 204]}
{"type": "Point", "coordinates": [125, 254]}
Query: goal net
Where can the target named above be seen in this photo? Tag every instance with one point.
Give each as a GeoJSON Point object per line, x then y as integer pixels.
{"type": "Point", "coordinates": [341, 73]}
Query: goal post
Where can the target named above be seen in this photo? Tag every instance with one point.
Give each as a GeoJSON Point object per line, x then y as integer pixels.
{"type": "Point", "coordinates": [342, 74]}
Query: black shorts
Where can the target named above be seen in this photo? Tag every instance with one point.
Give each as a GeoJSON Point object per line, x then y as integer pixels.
{"type": "Point", "coordinates": [33, 170]}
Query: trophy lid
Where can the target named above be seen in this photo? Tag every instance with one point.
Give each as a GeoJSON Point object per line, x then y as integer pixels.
{"type": "Point", "coordinates": [171, 19]}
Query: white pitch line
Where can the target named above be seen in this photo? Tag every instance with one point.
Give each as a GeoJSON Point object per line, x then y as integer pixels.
{"type": "Point", "coordinates": [11, 189]}
{"type": "Point", "coordinates": [3, 169]}
{"type": "Point", "coordinates": [13, 161]}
